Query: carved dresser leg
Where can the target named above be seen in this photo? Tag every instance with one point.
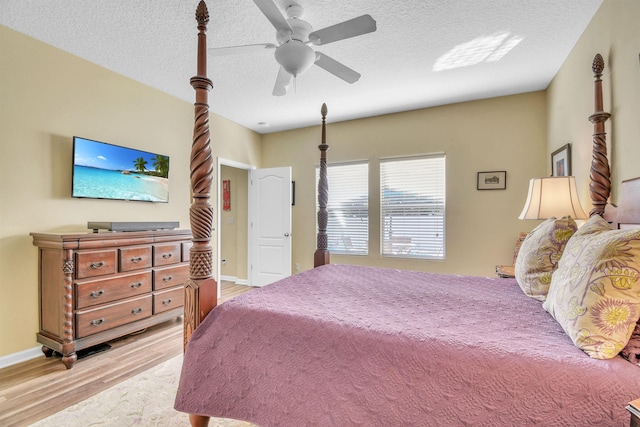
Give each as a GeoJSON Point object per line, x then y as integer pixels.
{"type": "Point", "coordinates": [69, 360]}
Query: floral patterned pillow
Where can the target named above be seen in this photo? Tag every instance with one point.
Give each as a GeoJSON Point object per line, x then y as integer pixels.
{"type": "Point", "coordinates": [595, 292]}
{"type": "Point", "coordinates": [539, 254]}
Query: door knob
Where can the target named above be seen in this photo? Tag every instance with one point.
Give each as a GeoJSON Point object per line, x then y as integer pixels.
{"type": "Point", "coordinates": [286, 234]}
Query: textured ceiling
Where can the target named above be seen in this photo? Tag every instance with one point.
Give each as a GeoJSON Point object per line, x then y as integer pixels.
{"type": "Point", "coordinates": [424, 53]}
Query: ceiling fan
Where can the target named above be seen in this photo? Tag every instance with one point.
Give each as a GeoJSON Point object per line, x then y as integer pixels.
{"type": "Point", "coordinates": [295, 37]}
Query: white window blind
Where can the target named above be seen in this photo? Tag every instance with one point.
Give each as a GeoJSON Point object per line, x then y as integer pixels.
{"type": "Point", "coordinates": [348, 208]}
{"type": "Point", "coordinates": [412, 207]}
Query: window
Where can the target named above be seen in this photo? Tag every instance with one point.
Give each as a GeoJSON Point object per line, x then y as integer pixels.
{"type": "Point", "coordinates": [412, 207]}
{"type": "Point", "coordinates": [348, 208]}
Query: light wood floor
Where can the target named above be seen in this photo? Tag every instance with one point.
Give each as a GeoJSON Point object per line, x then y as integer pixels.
{"type": "Point", "coordinates": [33, 390]}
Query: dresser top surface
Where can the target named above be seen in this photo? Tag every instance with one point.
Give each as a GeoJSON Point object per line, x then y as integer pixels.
{"type": "Point", "coordinates": [78, 239]}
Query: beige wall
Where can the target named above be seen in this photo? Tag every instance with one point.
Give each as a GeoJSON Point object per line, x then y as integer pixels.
{"type": "Point", "coordinates": [46, 97]}
{"type": "Point", "coordinates": [505, 133]}
{"type": "Point", "coordinates": [615, 34]}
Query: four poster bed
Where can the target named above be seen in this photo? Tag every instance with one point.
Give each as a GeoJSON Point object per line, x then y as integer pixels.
{"type": "Point", "coordinates": [344, 345]}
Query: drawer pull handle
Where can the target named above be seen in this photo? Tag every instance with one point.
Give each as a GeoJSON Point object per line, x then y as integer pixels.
{"type": "Point", "coordinates": [136, 259]}
{"type": "Point", "coordinates": [167, 278]}
{"type": "Point", "coordinates": [136, 310]}
{"type": "Point", "coordinates": [97, 322]}
{"type": "Point", "coordinates": [96, 265]}
{"type": "Point", "coordinates": [167, 256]}
{"type": "Point", "coordinates": [96, 294]}
{"type": "Point", "coordinates": [167, 301]}
{"type": "Point", "coordinates": [136, 285]}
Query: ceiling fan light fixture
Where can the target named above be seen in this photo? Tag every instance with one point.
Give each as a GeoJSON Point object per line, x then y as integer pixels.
{"type": "Point", "coordinates": [295, 57]}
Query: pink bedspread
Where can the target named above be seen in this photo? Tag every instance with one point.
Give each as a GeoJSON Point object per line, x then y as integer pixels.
{"type": "Point", "coordinates": [346, 345]}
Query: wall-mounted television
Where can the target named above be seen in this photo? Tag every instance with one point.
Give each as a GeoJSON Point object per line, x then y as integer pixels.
{"type": "Point", "coordinates": [107, 171]}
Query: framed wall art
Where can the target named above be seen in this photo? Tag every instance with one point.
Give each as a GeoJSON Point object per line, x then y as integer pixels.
{"type": "Point", "coordinates": [493, 180]}
{"type": "Point", "coordinates": [561, 161]}
{"type": "Point", "coordinates": [226, 195]}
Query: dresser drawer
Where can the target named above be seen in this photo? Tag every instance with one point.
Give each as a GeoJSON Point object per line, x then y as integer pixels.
{"type": "Point", "coordinates": [95, 263]}
{"type": "Point", "coordinates": [169, 277]}
{"type": "Point", "coordinates": [186, 251]}
{"type": "Point", "coordinates": [167, 254]}
{"type": "Point", "coordinates": [135, 258]}
{"type": "Point", "coordinates": [166, 300]}
{"type": "Point", "coordinates": [100, 291]}
{"type": "Point", "coordinates": [109, 316]}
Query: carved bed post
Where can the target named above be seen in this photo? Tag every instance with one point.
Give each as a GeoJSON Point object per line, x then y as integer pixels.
{"type": "Point", "coordinates": [600, 184]}
{"type": "Point", "coordinates": [201, 289]}
{"type": "Point", "coordinates": [321, 256]}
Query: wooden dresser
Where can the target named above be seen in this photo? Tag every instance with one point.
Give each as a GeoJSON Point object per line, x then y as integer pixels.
{"type": "Point", "coordinates": [94, 287]}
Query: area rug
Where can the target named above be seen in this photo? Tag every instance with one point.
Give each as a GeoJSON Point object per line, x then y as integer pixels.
{"type": "Point", "coordinates": [143, 400]}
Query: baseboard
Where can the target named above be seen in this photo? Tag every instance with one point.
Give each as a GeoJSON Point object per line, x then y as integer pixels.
{"type": "Point", "coordinates": [21, 356]}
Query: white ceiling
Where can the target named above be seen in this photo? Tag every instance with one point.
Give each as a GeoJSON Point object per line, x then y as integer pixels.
{"type": "Point", "coordinates": [154, 42]}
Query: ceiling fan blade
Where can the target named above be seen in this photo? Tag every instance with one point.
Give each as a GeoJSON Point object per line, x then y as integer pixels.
{"type": "Point", "coordinates": [354, 27]}
{"type": "Point", "coordinates": [273, 14]}
{"type": "Point", "coordinates": [336, 68]}
{"type": "Point", "coordinates": [282, 83]}
{"type": "Point", "coordinates": [236, 50]}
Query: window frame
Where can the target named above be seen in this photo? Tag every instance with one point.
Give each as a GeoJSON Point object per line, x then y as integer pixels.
{"type": "Point", "coordinates": [406, 248]}
{"type": "Point", "coordinates": [356, 244]}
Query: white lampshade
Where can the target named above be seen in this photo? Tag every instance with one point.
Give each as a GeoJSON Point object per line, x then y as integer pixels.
{"type": "Point", "coordinates": [554, 196]}
{"type": "Point", "coordinates": [295, 57]}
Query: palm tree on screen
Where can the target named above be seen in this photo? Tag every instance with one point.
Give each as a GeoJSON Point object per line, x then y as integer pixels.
{"type": "Point", "coordinates": [161, 164]}
{"type": "Point", "coordinates": [140, 164]}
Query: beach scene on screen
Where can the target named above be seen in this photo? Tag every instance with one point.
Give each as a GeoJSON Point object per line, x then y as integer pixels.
{"type": "Point", "coordinates": [107, 171]}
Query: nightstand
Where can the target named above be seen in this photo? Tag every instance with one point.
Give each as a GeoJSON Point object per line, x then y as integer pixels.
{"type": "Point", "coordinates": [634, 408]}
{"type": "Point", "coordinates": [507, 271]}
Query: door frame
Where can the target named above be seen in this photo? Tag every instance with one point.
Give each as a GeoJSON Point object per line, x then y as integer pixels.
{"type": "Point", "coordinates": [237, 165]}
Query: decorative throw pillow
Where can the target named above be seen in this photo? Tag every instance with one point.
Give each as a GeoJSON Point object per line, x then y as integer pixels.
{"type": "Point", "coordinates": [595, 292]}
{"type": "Point", "coordinates": [539, 254]}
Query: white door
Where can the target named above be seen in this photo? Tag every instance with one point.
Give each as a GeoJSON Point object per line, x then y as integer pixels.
{"type": "Point", "coordinates": [269, 225]}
